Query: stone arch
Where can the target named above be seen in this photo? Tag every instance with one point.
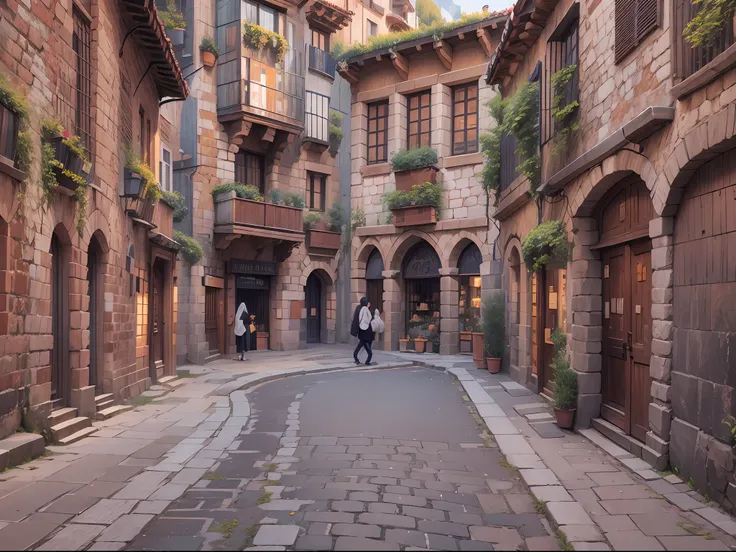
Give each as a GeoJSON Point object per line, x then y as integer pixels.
{"type": "Point", "coordinates": [98, 226]}
{"type": "Point", "coordinates": [364, 251]}
{"type": "Point", "coordinates": [517, 285]}
{"type": "Point", "coordinates": [404, 243]}
{"type": "Point", "coordinates": [458, 243]}
{"type": "Point", "coordinates": [601, 178]}
{"type": "Point", "coordinates": [327, 301]}
{"type": "Point", "coordinates": [60, 248]}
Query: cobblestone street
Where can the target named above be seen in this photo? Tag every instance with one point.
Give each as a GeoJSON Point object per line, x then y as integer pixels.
{"type": "Point", "coordinates": [355, 461]}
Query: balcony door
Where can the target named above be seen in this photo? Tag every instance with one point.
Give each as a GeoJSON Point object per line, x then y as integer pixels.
{"type": "Point", "coordinates": [249, 170]}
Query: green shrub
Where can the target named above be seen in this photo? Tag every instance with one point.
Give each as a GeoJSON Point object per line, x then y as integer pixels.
{"type": "Point", "coordinates": [171, 17]}
{"type": "Point", "coordinates": [276, 197]}
{"type": "Point", "coordinates": [335, 217]}
{"type": "Point", "coordinates": [546, 244]}
{"type": "Point", "coordinates": [208, 45]}
{"type": "Point", "coordinates": [357, 219]}
{"type": "Point", "coordinates": [493, 325]}
{"type": "Point", "coordinates": [242, 191]}
{"type": "Point", "coordinates": [294, 200]}
{"type": "Point", "coordinates": [13, 100]}
{"type": "Point", "coordinates": [336, 132]}
{"type": "Point", "coordinates": [396, 199]}
{"type": "Point", "coordinates": [177, 202]}
{"type": "Point", "coordinates": [566, 380]}
{"type": "Point", "coordinates": [257, 37]}
{"type": "Point", "coordinates": [709, 22]}
{"type": "Point", "coordinates": [191, 250]}
{"type": "Point", "coordinates": [416, 158]}
{"type": "Point", "coordinates": [420, 194]}
{"type": "Point", "coordinates": [311, 220]}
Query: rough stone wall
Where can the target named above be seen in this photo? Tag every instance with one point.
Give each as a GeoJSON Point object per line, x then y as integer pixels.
{"type": "Point", "coordinates": [36, 53]}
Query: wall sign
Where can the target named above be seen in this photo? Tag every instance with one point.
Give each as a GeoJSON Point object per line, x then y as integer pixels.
{"type": "Point", "coordinates": [422, 262]}
{"type": "Point", "coordinates": [263, 268]}
{"type": "Point", "coordinates": [252, 282]}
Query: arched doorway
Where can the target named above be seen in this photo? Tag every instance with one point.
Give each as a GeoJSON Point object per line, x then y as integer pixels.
{"type": "Point", "coordinates": [468, 265]}
{"type": "Point", "coordinates": [421, 273]}
{"type": "Point", "coordinates": [96, 314]}
{"type": "Point", "coordinates": [60, 380]}
{"type": "Point", "coordinates": [374, 280]}
{"type": "Point", "coordinates": [315, 303]}
{"type": "Point", "coordinates": [549, 312]}
{"type": "Point", "coordinates": [513, 305]}
{"type": "Point", "coordinates": [158, 275]}
{"type": "Point", "coordinates": [623, 217]}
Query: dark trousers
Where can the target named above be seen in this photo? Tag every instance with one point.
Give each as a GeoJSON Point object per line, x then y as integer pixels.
{"type": "Point", "coordinates": [363, 344]}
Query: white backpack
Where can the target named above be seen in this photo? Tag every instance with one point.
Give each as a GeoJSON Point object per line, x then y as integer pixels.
{"type": "Point", "coordinates": [377, 324]}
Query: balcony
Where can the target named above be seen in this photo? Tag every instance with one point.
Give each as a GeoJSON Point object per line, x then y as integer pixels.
{"type": "Point", "coordinates": [321, 61]}
{"type": "Point", "coordinates": [690, 60]}
{"type": "Point", "coordinates": [235, 217]}
{"type": "Point", "coordinates": [163, 222]}
{"type": "Point", "coordinates": [316, 122]}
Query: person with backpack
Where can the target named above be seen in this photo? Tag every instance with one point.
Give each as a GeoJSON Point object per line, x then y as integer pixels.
{"type": "Point", "coordinates": [361, 328]}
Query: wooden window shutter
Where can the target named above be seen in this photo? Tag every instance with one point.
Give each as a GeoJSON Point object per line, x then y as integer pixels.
{"type": "Point", "coordinates": [635, 19]}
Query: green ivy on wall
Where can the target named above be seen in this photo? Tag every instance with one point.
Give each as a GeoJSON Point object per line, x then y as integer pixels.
{"type": "Point", "coordinates": [710, 21]}
{"type": "Point", "coordinates": [563, 112]}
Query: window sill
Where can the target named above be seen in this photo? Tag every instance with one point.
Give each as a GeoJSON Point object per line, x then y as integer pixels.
{"type": "Point", "coordinates": [11, 171]}
{"type": "Point", "coordinates": [376, 169]}
{"type": "Point", "coordinates": [705, 75]}
{"type": "Point", "coordinates": [462, 160]}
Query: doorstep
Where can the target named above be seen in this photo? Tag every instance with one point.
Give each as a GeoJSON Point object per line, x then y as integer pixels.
{"type": "Point", "coordinates": [627, 442]}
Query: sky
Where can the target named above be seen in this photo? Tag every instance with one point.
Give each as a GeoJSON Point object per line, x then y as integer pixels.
{"type": "Point", "coordinates": [470, 6]}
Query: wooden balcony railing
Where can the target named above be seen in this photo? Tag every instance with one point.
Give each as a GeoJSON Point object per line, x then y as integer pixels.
{"type": "Point", "coordinates": [239, 215]}
{"type": "Point", "coordinates": [163, 219]}
{"type": "Point", "coordinates": [321, 61]}
{"type": "Point", "coordinates": [689, 60]}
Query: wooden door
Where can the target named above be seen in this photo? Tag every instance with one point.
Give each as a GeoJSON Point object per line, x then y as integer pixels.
{"type": "Point", "coordinates": [535, 328]}
{"type": "Point", "coordinates": [314, 308]}
{"type": "Point", "coordinates": [549, 304]}
{"type": "Point", "coordinates": [210, 319]}
{"type": "Point", "coordinates": [157, 315]}
{"type": "Point", "coordinates": [59, 325]}
{"type": "Point", "coordinates": [627, 334]}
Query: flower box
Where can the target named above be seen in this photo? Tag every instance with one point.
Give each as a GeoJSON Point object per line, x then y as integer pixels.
{"type": "Point", "coordinates": [405, 180]}
{"type": "Point", "coordinates": [176, 36]}
{"type": "Point", "coordinates": [70, 160]}
{"type": "Point", "coordinates": [414, 215]}
{"type": "Point", "coordinates": [322, 239]}
{"type": "Point", "coordinates": [9, 127]}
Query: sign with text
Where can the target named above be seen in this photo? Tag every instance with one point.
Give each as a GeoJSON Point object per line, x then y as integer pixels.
{"type": "Point", "coordinates": [261, 268]}
{"type": "Point", "coordinates": [252, 282]}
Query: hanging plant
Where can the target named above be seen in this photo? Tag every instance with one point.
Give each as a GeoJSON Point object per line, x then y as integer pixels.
{"type": "Point", "coordinates": [336, 132]}
{"type": "Point", "coordinates": [566, 124]}
{"type": "Point", "coordinates": [257, 37]}
{"type": "Point", "coordinates": [546, 245]}
{"type": "Point", "coordinates": [191, 250]}
{"type": "Point", "coordinates": [149, 180]}
{"type": "Point", "coordinates": [171, 17]}
{"type": "Point", "coordinates": [177, 202]}
{"type": "Point", "coordinates": [17, 104]}
{"type": "Point", "coordinates": [709, 23]}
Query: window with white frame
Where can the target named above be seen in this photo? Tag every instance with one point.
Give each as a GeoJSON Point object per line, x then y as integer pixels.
{"type": "Point", "coordinates": [166, 176]}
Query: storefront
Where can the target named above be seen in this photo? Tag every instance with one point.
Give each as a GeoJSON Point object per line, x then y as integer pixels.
{"type": "Point", "coordinates": [469, 302]}
{"type": "Point", "coordinates": [421, 272]}
{"type": "Point", "coordinates": [374, 280]}
{"type": "Point", "coordinates": [252, 281]}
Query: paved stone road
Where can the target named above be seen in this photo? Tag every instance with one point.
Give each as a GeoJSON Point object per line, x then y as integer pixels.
{"type": "Point", "coordinates": [386, 460]}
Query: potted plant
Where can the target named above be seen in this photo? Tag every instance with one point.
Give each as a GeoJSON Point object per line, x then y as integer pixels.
{"type": "Point", "coordinates": [13, 126]}
{"type": "Point", "coordinates": [566, 382]}
{"type": "Point", "coordinates": [210, 51]}
{"type": "Point", "coordinates": [416, 207]}
{"type": "Point", "coordinates": [546, 244]}
{"type": "Point", "coordinates": [493, 332]}
{"type": "Point", "coordinates": [174, 23]}
{"type": "Point", "coordinates": [414, 166]}
{"type": "Point", "coordinates": [419, 343]}
{"type": "Point", "coordinates": [404, 344]}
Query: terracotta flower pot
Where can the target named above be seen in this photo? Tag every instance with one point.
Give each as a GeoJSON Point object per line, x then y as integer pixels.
{"type": "Point", "coordinates": [478, 351]}
{"type": "Point", "coordinates": [565, 417]}
{"type": "Point", "coordinates": [419, 345]}
{"type": "Point", "coordinates": [261, 341]}
{"type": "Point", "coordinates": [208, 59]}
{"type": "Point", "coordinates": [493, 364]}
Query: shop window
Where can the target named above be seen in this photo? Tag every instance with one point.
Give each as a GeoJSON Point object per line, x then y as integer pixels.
{"type": "Point", "coordinates": [378, 132]}
{"type": "Point", "coordinates": [249, 169]}
{"type": "Point", "coordinates": [419, 119]}
{"type": "Point", "coordinates": [317, 191]}
{"type": "Point", "coordinates": [470, 288]}
{"type": "Point", "coordinates": [422, 283]}
{"type": "Point", "coordinates": [465, 118]}
{"type": "Point", "coordinates": [141, 312]}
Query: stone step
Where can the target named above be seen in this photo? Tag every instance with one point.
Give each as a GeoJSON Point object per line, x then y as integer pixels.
{"type": "Point", "coordinates": [629, 444]}
{"type": "Point", "coordinates": [166, 379]}
{"type": "Point", "coordinates": [102, 398]}
{"type": "Point", "coordinates": [67, 428]}
{"type": "Point", "coordinates": [19, 447]}
{"type": "Point", "coordinates": [61, 415]}
{"type": "Point", "coordinates": [74, 437]}
{"type": "Point", "coordinates": [114, 410]}
{"type": "Point", "coordinates": [105, 404]}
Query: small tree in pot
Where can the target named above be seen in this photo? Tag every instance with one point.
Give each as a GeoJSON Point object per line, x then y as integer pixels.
{"type": "Point", "coordinates": [566, 382]}
{"type": "Point", "coordinates": [493, 332]}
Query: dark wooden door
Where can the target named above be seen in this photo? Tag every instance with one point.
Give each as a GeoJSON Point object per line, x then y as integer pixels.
{"type": "Point", "coordinates": [157, 315]}
{"type": "Point", "coordinates": [549, 286]}
{"type": "Point", "coordinates": [314, 308]}
{"type": "Point", "coordinates": [59, 325]}
{"type": "Point", "coordinates": [374, 293]}
{"type": "Point", "coordinates": [210, 319]}
{"type": "Point", "coordinates": [627, 334]}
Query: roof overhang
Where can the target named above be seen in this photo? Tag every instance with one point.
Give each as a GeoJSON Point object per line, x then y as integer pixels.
{"type": "Point", "coordinates": [150, 34]}
{"type": "Point", "coordinates": [328, 16]}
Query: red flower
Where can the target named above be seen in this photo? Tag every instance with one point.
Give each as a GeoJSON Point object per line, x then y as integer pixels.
{"type": "Point", "coordinates": [66, 135]}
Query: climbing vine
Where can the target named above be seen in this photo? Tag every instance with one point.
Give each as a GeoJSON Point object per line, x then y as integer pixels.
{"type": "Point", "coordinates": [708, 24]}
{"type": "Point", "coordinates": [563, 111]}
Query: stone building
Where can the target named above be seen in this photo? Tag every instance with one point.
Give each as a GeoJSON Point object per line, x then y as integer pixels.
{"type": "Point", "coordinates": [644, 189]}
{"type": "Point", "coordinates": [424, 273]}
{"type": "Point", "coordinates": [373, 18]}
{"type": "Point", "coordinates": [262, 118]}
{"type": "Point", "coordinates": [88, 313]}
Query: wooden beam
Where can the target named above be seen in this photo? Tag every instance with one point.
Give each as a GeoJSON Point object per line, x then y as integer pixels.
{"type": "Point", "coordinates": [419, 47]}
{"type": "Point", "coordinates": [485, 40]}
{"type": "Point", "coordinates": [461, 36]}
{"type": "Point", "coordinates": [444, 52]}
{"type": "Point", "coordinates": [401, 64]}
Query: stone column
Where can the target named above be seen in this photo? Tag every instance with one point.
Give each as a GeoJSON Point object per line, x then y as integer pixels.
{"type": "Point", "coordinates": [449, 311]}
{"type": "Point", "coordinates": [396, 123]}
{"type": "Point", "coordinates": [393, 308]}
{"type": "Point", "coordinates": [441, 123]}
{"type": "Point", "coordinates": [660, 409]}
{"type": "Point", "coordinates": [587, 318]}
{"type": "Point", "coordinates": [82, 394]}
